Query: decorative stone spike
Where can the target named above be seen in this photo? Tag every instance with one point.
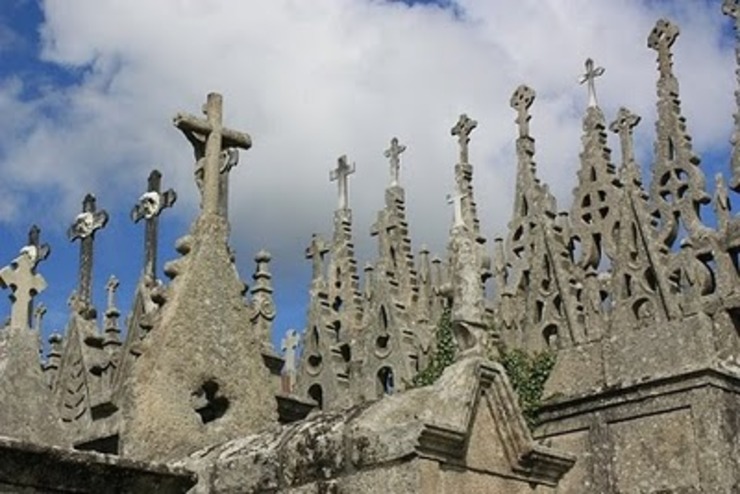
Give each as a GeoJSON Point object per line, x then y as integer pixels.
{"type": "Point", "coordinates": [83, 228]}
{"type": "Point", "coordinates": [149, 207]}
{"type": "Point", "coordinates": [262, 302]}
{"type": "Point", "coordinates": [112, 338]}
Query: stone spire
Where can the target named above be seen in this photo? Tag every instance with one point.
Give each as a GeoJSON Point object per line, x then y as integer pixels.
{"type": "Point", "coordinates": [209, 139]}
{"type": "Point", "coordinates": [263, 306]}
{"type": "Point", "coordinates": [150, 205]}
{"type": "Point", "coordinates": [83, 229]}
{"type": "Point", "coordinates": [597, 194]}
{"type": "Point", "coordinates": [677, 187]}
{"type": "Point", "coordinates": [201, 377]}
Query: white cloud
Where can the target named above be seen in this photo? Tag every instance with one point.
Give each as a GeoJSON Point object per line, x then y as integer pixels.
{"type": "Point", "coordinates": [312, 80]}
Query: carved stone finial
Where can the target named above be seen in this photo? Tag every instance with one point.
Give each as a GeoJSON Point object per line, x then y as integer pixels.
{"type": "Point", "coordinates": [149, 207]}
{"type": "Point", "coordinates": [341, 174]}
{"type": "Point", "coordinates": [84, 227]}
{"type": "Point", "coordinates": [624, 125]}
{"type": "Point", "coordinates": [24, 284]}
{"type": "Point", "coordinates": [35, 249]}
{"type": "Point", "coordinates": [393, 153]}
{"type": "Point", "coordinates": [462, 129]}
{"type": "Point", "coordinates": [315, 252]}
{"type": "Point", "coordinates": [111, 287]}
{"type": "Point", "coordinates": [521, 101]}
{"type": "Point", "coordinates": [589, 78]}
{"type": "Point", "coordinates": [209, 138]}
{"type": "Point", "coordinates": [661, 39]}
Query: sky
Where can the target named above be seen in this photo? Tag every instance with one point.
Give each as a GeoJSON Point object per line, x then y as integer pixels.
{"type": "Point", "coordinates": [88, 89]}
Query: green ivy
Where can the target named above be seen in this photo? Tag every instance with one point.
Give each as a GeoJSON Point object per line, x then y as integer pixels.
{"type": "Point", "coordinates": [528, 374]}
{"type": "Point", "coordinates": [443, 354]}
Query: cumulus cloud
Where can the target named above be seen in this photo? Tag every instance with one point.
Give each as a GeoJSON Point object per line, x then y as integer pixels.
{"type": "Point", "coordinates": [313, 80]}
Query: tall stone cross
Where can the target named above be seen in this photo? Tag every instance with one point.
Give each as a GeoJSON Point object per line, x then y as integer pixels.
{"type": "Point", "coordinates": [316, 251]}
{"type": "Point", "coordinates": [209, 138]}
{"type": "Point", "coordinates": [341, 174]}
{"type": "Point", "coordinates": [289, 346]}
{"type": "Point", "coordinates": [83, 228]}
{"type": "Point", "coordinates": [462, 129]}
{"type": "Point", "coordinates": [24, 284]}
{"type": "Point", "coordinates": [150, 205]}
{"type": "Point", "coordinates": [456, 202]}
{"type": "Point", "coordinates": [393, 153]}
{"type": "Point", "coordinates": [589, 78]}
{"type": "Point", "coordinates": [521, 101]}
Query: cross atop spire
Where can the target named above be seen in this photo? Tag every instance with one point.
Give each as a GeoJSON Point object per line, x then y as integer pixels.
{"type": "Point", "coordinates": [209, 138]}
{"type": "Point", "coordinates": [462, 129]}
{"type": "Point", "coordinates": [316, 251]}
{"type": "Point", "coordinates": [83, 228]}
{"type": "Point", "coordinates": [341, 174]}
{"type": "Point", "coordinates": [24, 284]}
{"type": "Point", "coordinates": [624, 124]}
{"type": "Point", "coordinates": [521, 101]}
{"type": "Point", "coordinates": [35, 249]}
{"type": "Point", "coordinates": [661, 39]}
{"type": "Point", "coordinates": [111, 287]}
{"type": "Point", "coordinates": [394, 153]}
{"type": "Point", "coordinates": [150, 205]}
{"type": "Point", "coordinates": [589, 78]}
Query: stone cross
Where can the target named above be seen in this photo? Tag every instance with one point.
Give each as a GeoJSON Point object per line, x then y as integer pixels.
{"type": "Point", "coordinates": [623, 126]}
{"type": "Point", "coordinates": [394, 153]}
{"type": "Point", "coordinates": [111, 287]}
{"type": "Point", "coordinates": [315, 251]}
{"type": "Point", "coordinates": [462, 130]}
{"type": "Point", "coordinates": [150, 205]}
{"type": "Point", "coordinates": [589, 78]}
{"type": "Point", "coordinates": [289, 346]}
{"type": "Point", "coordinates": [521, 101]}
{"type": "Point", "coordinates": [83, 228]}
{"type": "Point", "coordinates": [661, 39]}
{"type": "Point", "coordinates": [209, 138]}
{"type": "Point", "coordinates": [456, 201]}
{"type": "Point", "coordinates": [341, 174]}
{"type": "Point", "coordinates": [24, 284]}
{"type": "Point", "coordinates": [38, 314]}
{"type": "Point", "coordinates": [35, 249]}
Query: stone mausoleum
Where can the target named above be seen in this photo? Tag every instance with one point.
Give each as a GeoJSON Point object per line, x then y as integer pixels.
{"type": "Point", "coordinates": [633, 293]}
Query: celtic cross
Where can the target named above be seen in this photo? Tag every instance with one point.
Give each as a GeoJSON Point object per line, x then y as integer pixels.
{"type": "Point", "coordinates": [462, 129]}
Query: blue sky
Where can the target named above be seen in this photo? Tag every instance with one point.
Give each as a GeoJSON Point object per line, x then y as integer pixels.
{"type": "Point", "coordinates": [87, 91]}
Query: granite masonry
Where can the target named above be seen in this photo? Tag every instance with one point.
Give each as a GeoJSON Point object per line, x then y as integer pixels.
{"type": "Point", "coordinates": [635, 295]}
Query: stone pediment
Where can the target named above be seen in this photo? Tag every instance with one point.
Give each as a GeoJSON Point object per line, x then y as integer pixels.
{"type": "Point", "coordinates": [468, 419]}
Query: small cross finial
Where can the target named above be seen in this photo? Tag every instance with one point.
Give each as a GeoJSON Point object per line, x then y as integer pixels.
{"type": "Point", "coordinates": [149, 206]}
{"type": "Point", "coordinates": [289, 345]}
{"type": "Point", "coordinates": [394, 153]}
{"type": "Point", "coordinates": [589, 78]}
{"type": "Point", "coordinates": [35, 250]}
{"type": "Point", "coordinates": [462, 129]}
{"type": "Point", "coordinates": [661, 39]}
{"type": "Point", "coordinates": [111, 287]}
{"type": "Point", "coordinates": [315, 251]}
{"type": "Point", "coordinates": [521, 101]}
{"type": "Point", "coordinates": [624, 124]}
{"type": "Point", "coordinates": [456, 201]}
{"type": "Point", "coordinates": [341, 174]}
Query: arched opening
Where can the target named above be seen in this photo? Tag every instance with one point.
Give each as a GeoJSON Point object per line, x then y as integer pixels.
{"type": "Point", "coordinates": [209, 404]}
{"type": "Point", "coordinates": [550, 335]}
{"type": "Point", "coordinates": [317, 394]}
{"type": "Point", "coordinates": [386, 385]}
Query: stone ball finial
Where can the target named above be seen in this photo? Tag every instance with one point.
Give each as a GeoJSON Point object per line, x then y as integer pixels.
{"type": "Point", "coordinates": [55, 338]}
{"type": "Point", "coordinates": [262, 256]}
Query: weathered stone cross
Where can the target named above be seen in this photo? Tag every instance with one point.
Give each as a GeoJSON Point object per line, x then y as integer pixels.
{"type": "Point", "coordinates": [341, 174]}
{"type": "Point", "coordinates": [394, 153]}
{"type": "Point", "coordinates": [462, 130]}
{"type": "Point", "coordinates": [623, 126]}
{"type": "Point", "coordinates": [521, 101]}
{"type": "Point", "coordinates": [24, 284]}
{"type": "Point", "coordinates": [149, 206]}
{"type": "Point", "coordinates": [589, 78]}
{"type": "Point", "coordinates": [83, 228]}
{"type": "Point", "coordinates": [209, 137]}
{"type": "Point", "coordinates": [35, 249]}
{"type": "Point", "coordinates": [456, 201]}
{"type": "Point", "coordinates": [289, 345]}
{"type": "Point", "coordinates": [315, 251]}
{"type": "Point", "coordinates": [111, 287]}
{"type": "Point", "coordinates": [661, 39]}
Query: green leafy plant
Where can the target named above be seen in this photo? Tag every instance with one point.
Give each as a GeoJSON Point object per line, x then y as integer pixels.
{"type": "Point", "coordinates": [444, 352]}
{"type": "Point", "coordinates": [528, 374]}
